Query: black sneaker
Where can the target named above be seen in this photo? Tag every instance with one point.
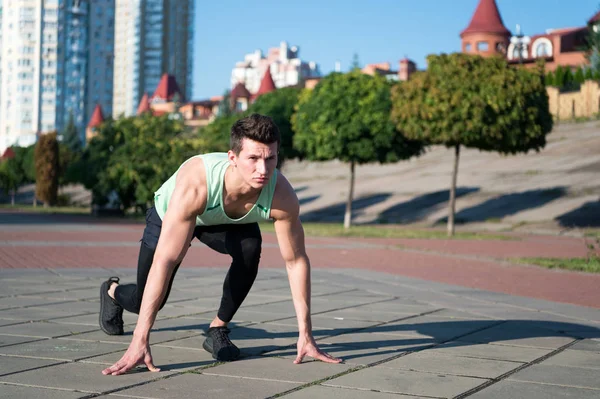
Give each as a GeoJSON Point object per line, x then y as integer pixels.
{"type": "Point", "coordinates": [219, 345]}
{"type": "Point", "coordinates": [111, 313]}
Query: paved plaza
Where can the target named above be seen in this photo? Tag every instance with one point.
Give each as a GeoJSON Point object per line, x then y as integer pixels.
{"type": "Point", "coordinates": [411, 319]}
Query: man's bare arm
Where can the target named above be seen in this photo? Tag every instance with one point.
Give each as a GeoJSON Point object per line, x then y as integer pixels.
{"type": "Point", "coordinates": [290, 237]}
{"type": "Point", "coordinates": [187, 201]}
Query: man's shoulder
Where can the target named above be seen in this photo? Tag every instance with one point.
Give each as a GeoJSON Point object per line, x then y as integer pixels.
{"type": "Point", "coordinates": [285, 201]}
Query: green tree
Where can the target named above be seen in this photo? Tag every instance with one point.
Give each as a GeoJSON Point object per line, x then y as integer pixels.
{"type": "Point", "coordinates": [347, 117]}
{"type": "Point", "coordinates": [225, 105]}
{"type": "Point", "coordinates": [47, 168]}
{"type": "Point", "coordinates": [593, 46]}
{"type": "Point", "coordinates": [550, 79]}
{"type": "Point", "coordinates": [579, 77]}
{"type": "Point", "coordinates": [11, 177]}
{"type": "Point", "coordinates": [559, 77]}
{"type": "Point", "coordinates": [471, 101]}
{"type": "Point", "coordinates": [133, 157]}
{"type": "Point", "coordinates": [215, 136]}
{"type": "Point", "coordinates": [568, 78]}
{"type": "Point", "coordinates": [70, 136]}
{"type": "Point", "coordinates": [589, 74]}
{"type": "Point", "coordinates": [279, 105]}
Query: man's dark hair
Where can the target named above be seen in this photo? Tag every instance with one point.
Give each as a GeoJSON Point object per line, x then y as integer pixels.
{"type": "Point", "coordinates": [255, 127]}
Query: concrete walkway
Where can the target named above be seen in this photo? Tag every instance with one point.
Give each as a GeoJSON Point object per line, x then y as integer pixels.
{"type": "Point", "coordinates": [408, 321]}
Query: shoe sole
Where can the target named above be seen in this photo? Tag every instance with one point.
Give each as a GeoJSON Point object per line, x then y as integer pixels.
{"type": "Point", "coordinates": [103, 299]}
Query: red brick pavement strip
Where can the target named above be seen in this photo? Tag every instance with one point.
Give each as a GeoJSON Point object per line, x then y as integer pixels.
{"type": "Point", "coordinates": [526, 246]}
{"type": "Point", "coordinates": [560, 286]}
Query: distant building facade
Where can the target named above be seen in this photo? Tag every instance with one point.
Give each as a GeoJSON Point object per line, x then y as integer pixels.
{"type": "Point", "coordinates": [283, 63]}
{"type": "Point", "coordinates": [486, 35]}
{"type": "Point", "coordinates": [152, 37]}
{"type": "Point", "coordinates": [45, 64]}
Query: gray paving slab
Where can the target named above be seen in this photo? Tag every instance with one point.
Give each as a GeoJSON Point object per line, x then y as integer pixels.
{"type": "Point", "coordinates": [76, 307]}
{"type": "Point", "coordinates": [192, 386]}
{"type": "Point", "coordinates": [406, 382]}
{"type": "Point", "coordinates": [22, 301]}
{"type": "Point", "coordinates": [85, 377]}
{"type": "Point", "coordinates": [165, 358]}
{"type": "Point", "coordinates": [574, 358]}
{"type": "Point", "coordinates": [45, 329]}
{"type": "Point", "coordinates": [490, 351]}
{"type": "Point", "coordinates": [91, 319]}
{"type": "Point", "coordinates": [11, 391]}
{"type": "Point", "coordinates": [319, 391]}
{"type": "Point", "coordinates": [351, 355]}
{"type": "Point", "coordinates": [36, 314]}
{"type": "Point", "coordinates": [515, 389]}
{"type": "Point", "coordinates": [61, 349]}
{"type": "Point", "coordinates": [329, 322]}
{"type": "Point", "coordinates": [156, 336]}
{"type": "Point", "coordinates": [272, 368]}
{"type": "Point", "coordinates": [6, 340]}
{"type": "Point", "coordinates": [14, 364]}
{"type": "Point", "coordinates": [9, 322]}
{"type": "Point", "coordinates": [519, 336]}
{"type": "Point", "coordinates": [357, 313]}
{"type": "Point", "coordinates": [592, 345]}
{"type": "Point", "coordinates": [365, 339]}
{"type": "Point", "coordinates": [446, 364]}
{"type": "Point", "coordinates": [559, 375]}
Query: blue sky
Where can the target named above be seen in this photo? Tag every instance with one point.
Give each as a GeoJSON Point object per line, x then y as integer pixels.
{"type": "Point", "coordinates": [330, 30]}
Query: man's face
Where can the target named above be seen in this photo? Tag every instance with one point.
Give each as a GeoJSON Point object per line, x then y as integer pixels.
{"type": "Point", "coordinates": [255, 162]}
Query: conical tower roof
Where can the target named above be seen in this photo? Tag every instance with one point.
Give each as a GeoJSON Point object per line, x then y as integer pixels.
{"type": "Point", "coordinates": [97, 117]}
{"type": "Point", "coordinates": [486, 19]}
{"type": "Point", "coordinates": [144, 105]}
{"type": "Point", "coordinates": [267, 84]}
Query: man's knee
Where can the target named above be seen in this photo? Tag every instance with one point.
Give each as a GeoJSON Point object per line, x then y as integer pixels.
{"type": "Point", "coordinates": [250, 251]}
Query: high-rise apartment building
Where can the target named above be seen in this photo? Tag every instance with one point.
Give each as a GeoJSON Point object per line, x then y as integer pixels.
{"type": "Point", "coordinates": [152, 37]}
{"type": "Point", "coordinates": [45, 66]}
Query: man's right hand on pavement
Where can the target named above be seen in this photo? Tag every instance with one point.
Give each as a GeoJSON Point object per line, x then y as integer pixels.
{"type": "Point", "coordinates": [137, 353]}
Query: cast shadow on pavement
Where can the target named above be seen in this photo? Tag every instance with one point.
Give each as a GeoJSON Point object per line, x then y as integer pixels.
{"type": "Point", "coordinates": [398, 337]}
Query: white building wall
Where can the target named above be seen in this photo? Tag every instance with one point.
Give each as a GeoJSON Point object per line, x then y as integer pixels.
{"type": "Point", "coordinates": [19, 84]}
{"type": "Point", "coordinates": [127, 54]}
{"type": "Point", "coordinates": [287, 69]}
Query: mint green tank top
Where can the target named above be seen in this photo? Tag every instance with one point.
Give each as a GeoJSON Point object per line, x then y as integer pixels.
{"type": "Point", "coordinates": [215, 165]}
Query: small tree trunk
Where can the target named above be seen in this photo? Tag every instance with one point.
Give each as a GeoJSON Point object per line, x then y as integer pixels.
{"type": "Point", "coordinates": [12, 198]}
{"type": "Point", "coordinates": [34, 200]}
{"type": "Point", "coordinates": [348, 214]}
{"type": "Point", "coordinates": [451, 205]}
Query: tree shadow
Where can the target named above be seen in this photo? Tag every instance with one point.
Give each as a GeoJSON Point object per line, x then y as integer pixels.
{"type": "Point", "coordinates": [335, 213]}
{"type": "Point", "coordinates": [397, 337]}
{"type": "Point", "coordinates": [588, 215]}
{"type": "Point", "coordinates": [420, 207]}
{"type": "Point", "coordinates": [307, 200]}
{"type": "Point", "coordinates": [506, 205]}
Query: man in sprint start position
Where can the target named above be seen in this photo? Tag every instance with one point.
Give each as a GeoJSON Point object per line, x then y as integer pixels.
{"type": "Point", "coordinates": [218, 198]}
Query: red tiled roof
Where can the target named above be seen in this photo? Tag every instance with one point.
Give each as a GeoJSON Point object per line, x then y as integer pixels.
{"type": "Point", "coordinates": [240, 91]}
{"type": "Point", "coordinates": [486, 19]}
{"type": "Point", "coordinates": [595, 18]}
{"type": "Point", "coordinates": [97, 117]}
{"type": "Point", "coordinates": [8, 154]}
{"type": "Point", "coordinates": [266, 85]}
{"type": "Point", "coordinates": [166, 89]}
{"type": "Point", "coordinates": [144, 105]}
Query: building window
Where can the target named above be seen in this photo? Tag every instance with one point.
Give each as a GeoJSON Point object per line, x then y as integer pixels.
{"type": "Point", "coordinates": [542, 47]}
{"type": "Point", "coordinates": [515, 53]}
{"type": "Point", "coordinates": [482, 46]}
{"type": "Point", "coordinates": [468, 47]}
